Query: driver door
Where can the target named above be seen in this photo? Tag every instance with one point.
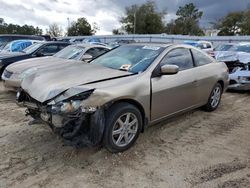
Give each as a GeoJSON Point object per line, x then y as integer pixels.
{"type": "Point", "coordinates": [177, 92]}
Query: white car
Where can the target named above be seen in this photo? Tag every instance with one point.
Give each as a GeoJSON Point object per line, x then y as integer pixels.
{"type": "Point", "coordinates": [205, 46]}
{"type": "Point", "coordinates": [238, 62]}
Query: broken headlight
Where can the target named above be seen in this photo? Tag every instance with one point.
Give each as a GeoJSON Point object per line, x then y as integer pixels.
{"type": "Point", "coordinates": [66, 107]}
{"type": "Point", "coordinates": [73, 103]}
{"type": "Point", "coordinates": [243, 78]}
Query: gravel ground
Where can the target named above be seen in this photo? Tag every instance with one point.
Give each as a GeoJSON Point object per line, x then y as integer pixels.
{"type": "Point", "coordinates": [197, 149]}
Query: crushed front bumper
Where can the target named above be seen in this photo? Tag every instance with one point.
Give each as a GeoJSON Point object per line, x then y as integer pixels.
{"type": "Point", "coordinates": [77, 128]}
{"type": "Point", "coordinates": [240, 86]}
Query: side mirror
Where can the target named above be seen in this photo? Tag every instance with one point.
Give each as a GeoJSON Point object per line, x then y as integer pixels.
{"type": "Point", "coordinates": [169, 69]}
{"type": "Point", "coordinates": [87, 57]}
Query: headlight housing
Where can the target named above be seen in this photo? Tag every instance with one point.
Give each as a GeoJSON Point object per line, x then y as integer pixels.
{"type": "Point", "coordinates": [244, 79]}
{"type": "Point", "coordinates": [27, 73]}
{"type": "Point", "coordinates": [73, 104]}
{"type": "Point", "coordinates": [66, 107]}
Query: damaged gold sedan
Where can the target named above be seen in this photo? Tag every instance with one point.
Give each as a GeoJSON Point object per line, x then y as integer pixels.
{"type": "Point", "coordinates": [112, 99]}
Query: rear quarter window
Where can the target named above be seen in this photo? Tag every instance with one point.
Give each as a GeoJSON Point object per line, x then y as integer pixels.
{"type": "Point", "coordinates": [200, 58]}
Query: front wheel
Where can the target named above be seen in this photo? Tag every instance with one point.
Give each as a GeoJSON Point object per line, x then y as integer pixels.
{"type": "Point", "coordinates": [123, 126]}
{"type": "Point", "coordinates": [214, 98]}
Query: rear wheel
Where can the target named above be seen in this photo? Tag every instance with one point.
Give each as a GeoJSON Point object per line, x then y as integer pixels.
{"type": "Point", "coordinates": [123, 126]}
{"type": "Point", "coordinates": [214, 98]}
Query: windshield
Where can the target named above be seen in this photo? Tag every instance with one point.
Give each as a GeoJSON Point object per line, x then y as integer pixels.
{"type": "Point", "coordinates": [32, 48]}
{"type": "Point", "coordinates": [134, 58]}
{"type": "Point", "coordinates": [224, 47]}
{"type": "Point", "coordinates": [4, 41]}
{"type": "Point", "coordinates": [17, 46]}
{"type": "Point", "coordinates": [7, 47]}
{"type": "Point", "coordinates": [70, 52]}
{"type": "Point", "coordinates": [242, 48]}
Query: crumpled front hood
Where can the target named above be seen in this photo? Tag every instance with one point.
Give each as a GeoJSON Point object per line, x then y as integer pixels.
{"type": "Point", "coordinates": [40, 62]}
{"type": "Point", "coordinates": [228, 56]}
{"type": "Point", "coordinates": [45, 85]}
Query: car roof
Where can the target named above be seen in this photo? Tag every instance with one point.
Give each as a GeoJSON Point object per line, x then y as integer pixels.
{"type": "Point", "coordinates": [158, 44]}
{"type": "Point", "coordinates": [53, 42]}
{"type": "Point", "coordinates": [25, 40]}
{"type": "Point", "coordinates": [87, 45]}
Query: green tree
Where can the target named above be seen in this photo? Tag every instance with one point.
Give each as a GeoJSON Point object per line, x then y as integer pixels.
{"type": "Point", "coordinates": [1, 21]}
{"type": "Point", "coordinates": [81, 27]}
{"type": "Point", "coordinates": [245, 27]}
{"type": "Point", "coordinates": [17, 29]}
{"type": "Point", "coordinates": [144, 19]}
{"type": "Point", "coordinates": [187, 22]}
{"type": "Point", "coordinates": [231, 24]}
{"type": "Point", "coordinates": [54, 30]}
{"type": "Point", "coordinates": [117, 32]}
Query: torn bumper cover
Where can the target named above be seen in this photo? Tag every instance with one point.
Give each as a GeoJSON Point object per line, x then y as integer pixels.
{"type": "Point", "coordinates": [239, 80]}
{"type": "Point", "coordinates": [78, 125]}
{"type": "Point", "coordinates": [239, 69]}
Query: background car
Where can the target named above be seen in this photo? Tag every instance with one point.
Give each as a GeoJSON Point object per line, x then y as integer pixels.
{"type": "Point", "coordinates": [15, 73]}
{"type": "Point", "coordinates": [4, 39]}
{"type": "Point", "coordinates": [205, 46]}
{"type": "Point", "coordinates": [221, 48]}
{"type": "Point", "coordinates": [120, 42]}
{"type": "Point", "coordinates": [112, 99]}
{"type": "Point", "coordinates": [18, 45]}
{"type": "Point", "coordinates": [39, 49]}
{"type": "Point", "coordinates": [238, 63]}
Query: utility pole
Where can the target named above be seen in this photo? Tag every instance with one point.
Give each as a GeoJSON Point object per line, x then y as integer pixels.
{"type": "Point", "coordinates": [135, 22]}
{"type": "Point", "coordinates": [68, 27]}
{"type": "Point", "coordinates": [68, 22]}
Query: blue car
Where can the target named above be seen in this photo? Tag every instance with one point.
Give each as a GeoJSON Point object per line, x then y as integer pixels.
{"type": "Point", "coordinates": [18, 45]}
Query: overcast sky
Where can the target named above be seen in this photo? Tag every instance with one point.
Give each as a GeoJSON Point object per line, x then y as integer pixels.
{"type": "Point", "coordinates": [106, 13]}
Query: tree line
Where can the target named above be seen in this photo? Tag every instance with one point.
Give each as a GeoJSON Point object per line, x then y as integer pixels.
{"type": "Point", "coordinates": [147, 19]}
{"type": "Point", "coordinates": [17, 29]}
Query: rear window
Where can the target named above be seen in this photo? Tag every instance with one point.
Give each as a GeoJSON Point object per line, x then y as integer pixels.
{"type": "Point", "coordinates": [200, 58]}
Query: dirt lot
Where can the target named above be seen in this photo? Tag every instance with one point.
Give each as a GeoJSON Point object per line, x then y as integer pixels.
{"type": "Point", "coordinates": [197, 149]}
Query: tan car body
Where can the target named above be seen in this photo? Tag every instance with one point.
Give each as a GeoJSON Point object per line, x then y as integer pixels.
{"type": "Point", "coordinates": [136, 88]}
{"type": "Point", "coordinates": [157, 97]}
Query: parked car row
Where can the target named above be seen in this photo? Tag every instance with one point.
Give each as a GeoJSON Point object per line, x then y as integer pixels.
{"type": "Point", "coordinates": [15, 73]}
{"type": "Point", "coordinates": [38, 49]}
{"type": "Point", "coordinates": [4, 39]}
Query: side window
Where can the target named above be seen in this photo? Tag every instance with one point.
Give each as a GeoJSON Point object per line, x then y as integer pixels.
{"type": "Point", "coordinates": [102, 50]}
{"type": "Point", "coordinates": [49, 49]}
{"type": "Point", "coordinates": [61, 46]}
{"type": "Point", "coordinates": [96, 51]}
{"type": "Point", "coordinates": [200, 58]}
{"type": "Point", "coordinates": [180, 57]}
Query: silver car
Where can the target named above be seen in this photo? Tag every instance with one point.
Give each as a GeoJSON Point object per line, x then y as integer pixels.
{"type": "Point", "coordinates": [16, 72]}
{"type": "Point", "coordinates": [111, 100]}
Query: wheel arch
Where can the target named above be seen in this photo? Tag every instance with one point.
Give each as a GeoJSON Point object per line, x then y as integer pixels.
{"type": "Point", "coordinates": [134, 103]}
{"type": "Point", "coordinates": [221, 82]}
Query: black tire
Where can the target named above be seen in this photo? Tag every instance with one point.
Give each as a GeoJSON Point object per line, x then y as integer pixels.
{"type": "Point", "coordinates": [114, 113]}
{"type": "Point", "coordinates": [209, 107]}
